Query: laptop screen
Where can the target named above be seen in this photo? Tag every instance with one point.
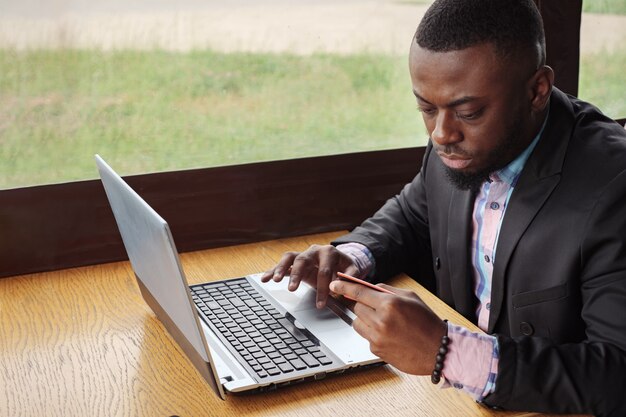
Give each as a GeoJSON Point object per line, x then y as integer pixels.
{"type": "Point", "coordinates": [152, 255]}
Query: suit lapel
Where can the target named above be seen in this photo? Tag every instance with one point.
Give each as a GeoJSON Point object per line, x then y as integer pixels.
{"type": "Point", "coordinates": [523, 206]}
{"type": "Point", "coordinates": [538, 179]}
{"type": "Point", "coordinates": [458, 241]}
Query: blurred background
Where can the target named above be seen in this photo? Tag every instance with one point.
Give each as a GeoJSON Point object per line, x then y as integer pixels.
{"type": "Point", "coordinates": [156, 85]}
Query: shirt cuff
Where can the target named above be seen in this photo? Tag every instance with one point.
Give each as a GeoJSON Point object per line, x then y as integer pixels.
{"type": "Point", "coordinates": [361, 255]}
{"type": "Point", "coordinates": [471, 363]}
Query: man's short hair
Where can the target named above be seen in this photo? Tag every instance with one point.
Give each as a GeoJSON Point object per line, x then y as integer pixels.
{"type": "Point", "coordinates": [512, 26]}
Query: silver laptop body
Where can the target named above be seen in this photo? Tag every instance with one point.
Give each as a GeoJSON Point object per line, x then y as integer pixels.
{"type": "Point", "coordinates": [192, 322]}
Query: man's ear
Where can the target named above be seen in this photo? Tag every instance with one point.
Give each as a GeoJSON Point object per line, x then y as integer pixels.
{"type": "Point", "coordinates": [540, 87]}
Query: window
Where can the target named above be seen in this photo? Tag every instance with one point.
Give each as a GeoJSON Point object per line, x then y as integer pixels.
{"type": "Point", "coordinates": [153, 88]}
{"type": "Point", "coordinates": [603, 55]}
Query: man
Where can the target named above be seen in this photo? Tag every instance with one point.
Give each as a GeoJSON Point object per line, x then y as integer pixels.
{"type": "Point", "coordinates": [517, 218]}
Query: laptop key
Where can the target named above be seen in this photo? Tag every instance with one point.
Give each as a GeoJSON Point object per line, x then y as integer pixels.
{"type": "Point", "coordinates": [310, 360]}
{"type": "Point", "coordinates": [251, 303]}
{"type": "Point", "coordinates": [285, 367]}
{"type": "Point", "coordinates": [325, 360]}
{"type": "Point", "coordinates": [274, 356]}
{"type": "Point", "coordinates": [298, 364]}
{"type": "Point", "coordinates": [269, 349]}
{"type": "Point", "coordinates": [273, 371]}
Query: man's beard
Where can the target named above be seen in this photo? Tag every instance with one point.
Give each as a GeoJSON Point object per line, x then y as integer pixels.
{"type": "Point", "coordinates": [467, 180]}
{"type": "Point", "coordinates": [499, 157]}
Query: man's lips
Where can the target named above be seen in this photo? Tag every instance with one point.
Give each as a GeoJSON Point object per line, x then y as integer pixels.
{"type": "Point", "coordinates": [454, 161]}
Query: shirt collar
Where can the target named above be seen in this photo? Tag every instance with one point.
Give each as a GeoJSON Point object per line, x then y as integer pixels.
{"type": "Point", "coordinates": [510, 173]}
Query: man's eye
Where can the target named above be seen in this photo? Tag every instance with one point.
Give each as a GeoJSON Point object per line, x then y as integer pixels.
{"type": "Point", "coordinates": [426, 111]}
{"type": "Point", "coordinates": [469, 116]}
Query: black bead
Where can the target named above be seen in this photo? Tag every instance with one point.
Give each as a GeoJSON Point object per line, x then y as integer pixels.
{"type": "Point", "coordinates": [435, 377]}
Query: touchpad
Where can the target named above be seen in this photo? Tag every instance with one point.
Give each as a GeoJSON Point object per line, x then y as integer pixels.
{"type": "Point", "coordinates": [336, 334]}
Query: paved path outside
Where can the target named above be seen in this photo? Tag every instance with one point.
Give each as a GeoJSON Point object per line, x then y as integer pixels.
{"type": "Point", "coordinates": [297, 26]}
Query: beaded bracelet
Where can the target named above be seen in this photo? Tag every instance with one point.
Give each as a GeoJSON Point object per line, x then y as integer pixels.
{"type": "Point", "coordinates": [435, 377]}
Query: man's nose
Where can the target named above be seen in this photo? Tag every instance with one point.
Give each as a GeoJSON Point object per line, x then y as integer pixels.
{"type": "Point", "coordinates": [445, 131]}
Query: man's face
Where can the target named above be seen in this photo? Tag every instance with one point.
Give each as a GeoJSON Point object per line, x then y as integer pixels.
{"type": "Point", "coordinates": [476, 112]}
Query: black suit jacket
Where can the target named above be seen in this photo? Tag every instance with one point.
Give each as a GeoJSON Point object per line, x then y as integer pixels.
{"type": "Point", "coordinates": [558, 304]}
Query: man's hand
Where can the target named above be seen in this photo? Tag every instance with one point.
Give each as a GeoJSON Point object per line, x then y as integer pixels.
{"type": "Point", "coordinates": [317, 266]}
{"type": "Point", "coordinates": [401, 329]}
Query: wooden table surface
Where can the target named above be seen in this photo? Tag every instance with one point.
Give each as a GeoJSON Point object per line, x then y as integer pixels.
{"type": "Point", "coordinates": [82, 342]}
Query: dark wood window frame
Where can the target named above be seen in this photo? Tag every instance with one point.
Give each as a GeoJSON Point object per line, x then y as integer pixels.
{"type": "Point", "coordinates": [59, 226]}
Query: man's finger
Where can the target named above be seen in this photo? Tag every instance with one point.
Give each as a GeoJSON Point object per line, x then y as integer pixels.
{"type": "Point", "coordinates": [357, 292]}
{"type": "Point", "coordinates": [327, 264]}
{"type": "Point", "coordinates": [301, 269]}
{"type": "Point", "coordinates": [282, 267]}
{"type": "Point", "coordinates": [367, 314]}
{"type": "Point", "coordinates": [267, 275]}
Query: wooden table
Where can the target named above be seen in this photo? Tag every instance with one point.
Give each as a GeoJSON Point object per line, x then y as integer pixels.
{"type": "Point", "coordinates": [82, 342]}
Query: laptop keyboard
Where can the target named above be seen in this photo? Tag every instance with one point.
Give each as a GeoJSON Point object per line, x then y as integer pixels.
{"type": "Point", "coordinates": [268, 342]}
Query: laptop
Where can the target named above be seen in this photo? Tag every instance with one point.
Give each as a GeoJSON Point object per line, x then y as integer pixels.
{"type": "Point", "coordinates": [242, 335]}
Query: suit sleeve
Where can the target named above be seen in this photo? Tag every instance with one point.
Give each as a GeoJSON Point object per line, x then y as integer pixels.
{"type": "Point", "coordinates": [397, 234]}
{"type": "Point", "coordinates": [588, 377]}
